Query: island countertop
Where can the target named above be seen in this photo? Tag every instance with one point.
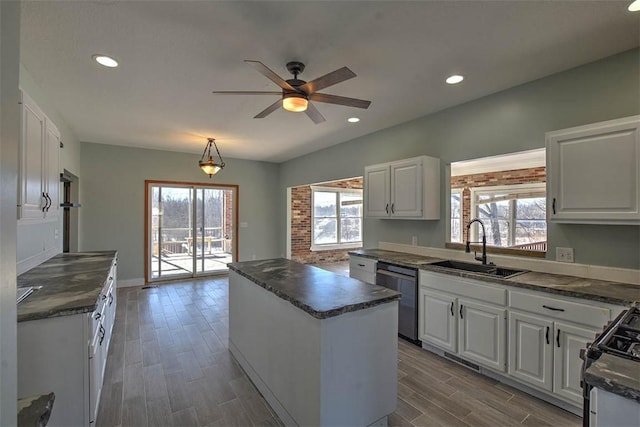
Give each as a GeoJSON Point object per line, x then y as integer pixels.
{"type": "Point", "coordinates": [320, 293]}
{"type": "Point", "coordinates": [70, 284]}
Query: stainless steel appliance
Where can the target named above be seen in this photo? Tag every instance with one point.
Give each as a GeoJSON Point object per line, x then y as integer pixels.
{"type": "Point", "coordinates": [405, 281]}
{"type": "Point", "coordinates": [621, 338]}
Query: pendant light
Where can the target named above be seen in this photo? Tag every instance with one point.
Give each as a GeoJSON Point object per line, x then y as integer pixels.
{"type": "Point", "coordinates": [206, 163]}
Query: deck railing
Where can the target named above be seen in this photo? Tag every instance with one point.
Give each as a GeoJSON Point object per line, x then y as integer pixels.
{"type": "Point", "coordinates": [534, 246]}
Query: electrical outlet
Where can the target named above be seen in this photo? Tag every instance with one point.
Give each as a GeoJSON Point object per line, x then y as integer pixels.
{"type": "Point", "coordinates": [564, 254]}
{"type": "Point", "coordinates": [414, 240]}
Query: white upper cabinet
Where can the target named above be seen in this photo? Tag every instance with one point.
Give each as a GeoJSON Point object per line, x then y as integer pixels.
{"type": "Point", "coordinates": [39, 173]}
{"type": "Point", "coordinates": [593, 173]}
{"type": "Point", "coordinates": [408, 189]}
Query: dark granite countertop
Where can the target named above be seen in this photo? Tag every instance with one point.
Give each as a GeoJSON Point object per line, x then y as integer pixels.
{"type": "Point", "coordinates": [320, 293]}
{"type": "Point", "coordinates": [616, 375]}
{"type": "Point", "coordinates": [34, 411]}
{"type": "Point", "coordinates": [70, 284]}
{"type": "Point", "coordinates": [578, 287]}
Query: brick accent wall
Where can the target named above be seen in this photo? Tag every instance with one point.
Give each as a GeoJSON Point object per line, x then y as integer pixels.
{"type": "Point", "coordinates": [491, 179]}
{"type": "Point", "coordinates": [301, 227]}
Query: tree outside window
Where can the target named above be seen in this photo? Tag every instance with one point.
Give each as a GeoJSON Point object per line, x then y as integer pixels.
{"type": "Point", "coordinates": [456, 215]}
{"type": "Point", "coordinates": [513, 216]}
{"type": "Point", "coordinates": [337, 217]}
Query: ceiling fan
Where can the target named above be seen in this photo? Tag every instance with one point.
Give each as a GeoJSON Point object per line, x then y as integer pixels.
{"type": "Point", "coordinates": [296, 93]}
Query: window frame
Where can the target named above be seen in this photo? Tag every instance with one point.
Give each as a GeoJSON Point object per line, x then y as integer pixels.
{"type": "Point", "coordinates": [315, 247]}
{"type": "Point", "coordinates": [459, 192]}
{"type": "Point", "coordinates": [534, 187]}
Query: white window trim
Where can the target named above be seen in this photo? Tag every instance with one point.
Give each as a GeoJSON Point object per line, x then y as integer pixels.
{"type": "Point", "coordinates": [333, 246]}
{"type": "Point", "coordinates": [537, 186]}
{"type": "Point", "coordinates": [451, 193]}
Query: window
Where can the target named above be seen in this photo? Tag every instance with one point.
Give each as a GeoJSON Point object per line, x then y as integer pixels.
{"type": "Point", "coordinates": [336, 218]}
{"type": "Point", "coordinates": [513, 216]}
{"type": "Point", "coordinates": [456, 215]}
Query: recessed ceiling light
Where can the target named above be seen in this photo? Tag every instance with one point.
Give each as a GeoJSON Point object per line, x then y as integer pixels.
{"type": "Point", "coordinates": [635, 6]}
{"type": "Point", "coordinates": [105, 60]}
{"type": "Point", "coordinates": [353, 120]}
{"type": "Point", "coordinates": [454, 79]}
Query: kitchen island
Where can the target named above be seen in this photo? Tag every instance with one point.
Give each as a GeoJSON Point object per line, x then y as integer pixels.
{"type": "Point", "coordinates": [321, 348]}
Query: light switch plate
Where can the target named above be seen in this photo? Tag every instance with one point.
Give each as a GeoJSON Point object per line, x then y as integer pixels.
{"type": "Point", "coordinates": [564, 254]}
{"type": "Point", "coordinates": [414, 240]}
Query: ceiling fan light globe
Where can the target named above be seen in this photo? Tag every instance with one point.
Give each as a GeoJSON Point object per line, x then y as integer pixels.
{"type": "Point", "coordinates": [295, 103]}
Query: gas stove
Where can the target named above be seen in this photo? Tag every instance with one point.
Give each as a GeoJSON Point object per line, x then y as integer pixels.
{"type": "Point", "coordinates": [621, 337]}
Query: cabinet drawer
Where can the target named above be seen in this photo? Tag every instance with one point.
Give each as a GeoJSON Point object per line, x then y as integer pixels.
{"type": "Point", "coordinates": [361, 263]}
{"type": "Point", "coordinates": [465, 287]}
{"type": "Point", "coordinates": [549, 306]}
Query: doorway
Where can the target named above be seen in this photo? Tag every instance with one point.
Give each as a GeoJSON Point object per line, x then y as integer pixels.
{"type": "Point", "coordinates": [190, 230]}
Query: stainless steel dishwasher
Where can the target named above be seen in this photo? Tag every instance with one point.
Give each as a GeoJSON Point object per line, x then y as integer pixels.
{"type": "Point", "coordinates": [405, 281]}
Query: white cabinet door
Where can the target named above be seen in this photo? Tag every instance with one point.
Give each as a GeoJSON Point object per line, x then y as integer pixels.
{"type": "Point", "coordinates": [531, 349]}
{"type": "Point", "coordinates": [593, 173]}
{"type": "Point", "coordinates": [481, 333]}
{"type": "Point", "coordinates": [437, 319]}
{"type": "Point", "coordinates": [406, 189]}
{"type": "Point", "coordinates": [32, 153]}
{"type": "Point", "coordinates": [52, 181]}
{"type": "Point", "coordinates": [39, 177]}
{"type": "Point", "coordinates": [377, 191]}
{"type": "Point", "coordinates": [569, 340]}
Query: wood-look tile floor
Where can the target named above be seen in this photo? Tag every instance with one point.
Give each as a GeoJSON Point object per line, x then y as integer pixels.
{"type": "Point", "coordinates": [169, 365]}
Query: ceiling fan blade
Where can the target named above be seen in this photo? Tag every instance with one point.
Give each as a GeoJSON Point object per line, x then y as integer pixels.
{"type": "Point", "coordinates": [270, 109]}
{"type": "Point", "coordinates": [266, 71]}
{"type": "Point", "coordinates": [327, 80]}
{"type": "Point", "coordinates": [340, 100]}
{"type": "Point", "coordinates": [314, 114]}
{"type": "Point", "coordinates": [244, 92]}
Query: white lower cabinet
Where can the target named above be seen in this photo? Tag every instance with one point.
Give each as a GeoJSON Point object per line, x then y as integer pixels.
{"type": "Point", "coordinates": [539, 334]}
{"type": "Point", "coordinates": [474, 329]}
{"type": "Point", "coordinates": [546, 354]}
{"type": "Point", "coordinates": [67, 355]}
{"type": "Point", "coordinates": [437, 319]}
{"type": "Point", "coordinates": [531, 349]}
{"type": "Point", "coordinates": [569, 340]}
{"type": "Point", "coordinates": [481, 333]}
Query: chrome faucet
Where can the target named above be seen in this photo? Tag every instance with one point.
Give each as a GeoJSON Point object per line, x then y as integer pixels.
{"type": "Point", "coordinates": [467, 249]}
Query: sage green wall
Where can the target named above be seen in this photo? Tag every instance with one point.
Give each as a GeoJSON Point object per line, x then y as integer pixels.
{"type": "Point", "coordinates": [34, 237]}
{"type": "Point", "coordinates": [509, 121]}
{"type": "Point", "coordinates": [112, 198]}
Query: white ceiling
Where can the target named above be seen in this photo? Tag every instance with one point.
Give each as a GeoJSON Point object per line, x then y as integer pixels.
{"type": "Point", "coordinates": [172, 54]}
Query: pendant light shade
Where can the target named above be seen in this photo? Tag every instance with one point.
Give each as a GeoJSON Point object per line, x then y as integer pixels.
{"type": "Point", "coordinates": [206, 163]}
{"type": "Point", "coordinates": [294, 102]}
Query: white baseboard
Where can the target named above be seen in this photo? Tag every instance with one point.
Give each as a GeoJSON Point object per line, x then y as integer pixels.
{"type": "Point", "coordinates": [35, 260]}
{"type": "Point", "coordinates": [130, 282]}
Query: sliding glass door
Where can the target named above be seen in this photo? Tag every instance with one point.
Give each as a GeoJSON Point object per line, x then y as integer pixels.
{"type": "Point", "coordinates": [191, 229]}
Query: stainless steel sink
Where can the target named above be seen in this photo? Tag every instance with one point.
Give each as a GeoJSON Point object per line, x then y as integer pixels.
{"type": "Point", "coordinates": [488, 269]}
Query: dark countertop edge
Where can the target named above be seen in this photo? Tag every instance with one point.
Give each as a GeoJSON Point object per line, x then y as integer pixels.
{"type": "Point", "coordinates": [32, 410]}
{"type": "Point", "coordinates": [58, 313]}
{"type": "Point", "coordinates": [611, 385]}
{"type": "Point", "coordinates": [305, 307]}
{"type": "Point", "coordinates": [508, 282]}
